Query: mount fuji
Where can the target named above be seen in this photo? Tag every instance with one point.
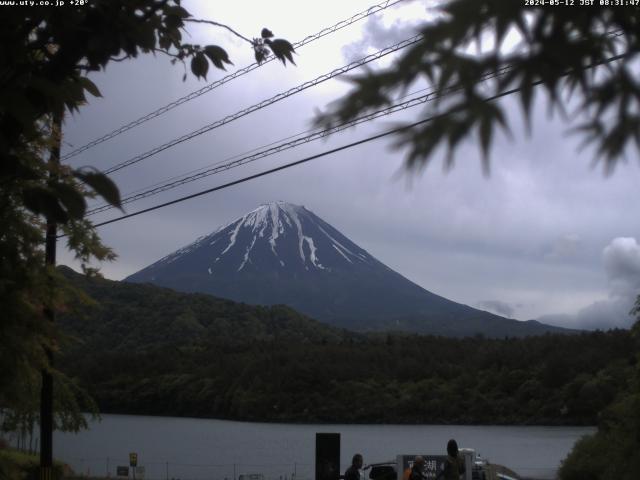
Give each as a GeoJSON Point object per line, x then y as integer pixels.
{"type": "Point", "coordinates": [282, 253]}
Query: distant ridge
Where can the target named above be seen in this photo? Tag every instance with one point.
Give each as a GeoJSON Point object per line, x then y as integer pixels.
{"type": "Point", "coordinates": [131, 317]}
{"type": "Point", "coordinates": [282, 253]}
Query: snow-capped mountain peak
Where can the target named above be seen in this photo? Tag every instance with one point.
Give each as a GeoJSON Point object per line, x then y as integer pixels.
{"type": "Point", "coordinates": [282, 253]}
{"type": "Point", "coordinates": [265, 236]}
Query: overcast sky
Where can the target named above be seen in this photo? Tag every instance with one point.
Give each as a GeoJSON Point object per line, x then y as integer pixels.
{"type": "Point", "coordinates": [546, 235]}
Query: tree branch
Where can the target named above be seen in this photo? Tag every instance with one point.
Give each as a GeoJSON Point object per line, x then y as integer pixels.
{"type": "Point", "coordinates": [216, 24]}
{"type": "Point", "coordinates": [121, 59]}
{"type": "Point", "coordinates": [168, 54]}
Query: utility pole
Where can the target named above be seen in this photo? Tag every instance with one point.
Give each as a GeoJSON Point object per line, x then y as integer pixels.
{"type": "Point", "coordinates": [46, 394]}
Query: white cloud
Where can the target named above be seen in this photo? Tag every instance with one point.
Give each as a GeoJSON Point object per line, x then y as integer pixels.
{"type": "Point", "coordinates": [497, 306]}
{"type": "Point", "coordinates": [523, 236]}
{"type": "Point", "coordinates": [564, 247]}
{"type": "Point", "coordinates": [378, 35]}
{"type": "Point", "coordinates": [622, 266]}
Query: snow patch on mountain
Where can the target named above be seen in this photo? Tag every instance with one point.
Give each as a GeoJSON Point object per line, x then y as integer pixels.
{"type": "Point", "coordinates": [342, 253]}
{"type": "Point", "coordinates": [298, 225]}
{"type": "Point", "coordinates": [172, 257]}
{"type": "Point", "coordinates": [341, 248]}
{"type": "Point", "coordinates": [312, 254]}
{"type": "Point", "coordinates": [266, 228]}
{"type": "Point", "coordinates": [276, 227]}
{"type": "Point", "coordinates": [232, 238]}
{"type": "Point", "coordinates": [246, 254]}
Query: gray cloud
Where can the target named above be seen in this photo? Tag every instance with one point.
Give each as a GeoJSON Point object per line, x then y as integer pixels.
{"type": "Point", "coordinates": [605, 314]}
{"type": "Point", "coordinates": [567, 246]}
{"type": "Point", "coordinates": [376, 35]}
{"type": "Point", "coordinates": [522, 236]}
{"type": "Point", "coordinates": [622, 265]}
{"type": "Point", "coordinates": [497, 306]}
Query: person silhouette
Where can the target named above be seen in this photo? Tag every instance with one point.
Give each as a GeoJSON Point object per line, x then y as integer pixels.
{"type": "Point", "coordinates": [454, 465]}
{"type": "Point", "coordinates": [353, 472]}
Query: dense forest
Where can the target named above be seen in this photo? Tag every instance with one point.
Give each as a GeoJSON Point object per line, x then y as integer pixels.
{"type": "Point", "coordinates": [149, 350]}
{"type": "Point", "coordinates": [549, 380]}
{"type": "Point", "coordinates": [128, 316]}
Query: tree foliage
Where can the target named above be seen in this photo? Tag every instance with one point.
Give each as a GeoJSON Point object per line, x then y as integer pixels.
{"type": "Point", "coordinates": [45, 56]}
{"type": "Point", "coordinates": [563, 50]}
{"type": "Point", "coordinates": [613, 452]}
{"type": "Point", "coordinates": [459, 381]}
{"type": "Point", "coordinates": [585, 61]}
{"type": "Point", "coordinates": [149, 350]}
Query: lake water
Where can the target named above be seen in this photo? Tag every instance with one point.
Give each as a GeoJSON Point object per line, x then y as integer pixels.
{"type": "Point", "coordinates": [193, 449]}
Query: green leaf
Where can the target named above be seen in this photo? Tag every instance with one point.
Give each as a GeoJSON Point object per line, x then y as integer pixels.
{"type": "Point", "coordinates": [499, 116]}
{"type": "Point", "coordinates": [72, 91]}
{"type": "Point", "coordinates": [260, 55]}
{"type": "Point", "coordinates": [164, 42]}
{"type": "Point", "coordinates": [89, 86]}
{"type": "Point", "coordinates": [103, 185]}
{"type": "Point", "coordinates": [502, 24]}
{"type": "Point", "coordinates": [43, 201]}
{"type": "Point", "coordinates": [44, 86]}
{"type": "Point", "coordinates": [199, 65]}
{"type": "Point", "coordinates": [71, 199]}
{"type": "Point", "coordinates": [486, 133]}
{"type": "Point", "coordinates": [13, 166]}
{"type": "Point", "coordinates": [146, 36]}
{"type": "Point", "coordinates": [173, 22]}
{"type": "Point", "coordinates": [217, 55]}
{"type": "Point", "coordinates": [526, 96]}
{"type": "Point", "coordinates": [20, 108]}
{"type": "Point", "coordinates": [177, 11]}
{"type": "Point", "coordinates": [282, 49]}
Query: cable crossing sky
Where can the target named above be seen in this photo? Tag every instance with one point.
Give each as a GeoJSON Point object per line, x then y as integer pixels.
{"type": "Point", "coordinates": [288, 143]}
{"type": "Point", "coordinates": [265, 103]}
{"type": "Point", "coordinates": [247, 158]}
{"type": "Point", "coordinates": [334, 150]}
{"type": "Point", "coordinates": [238, 73]}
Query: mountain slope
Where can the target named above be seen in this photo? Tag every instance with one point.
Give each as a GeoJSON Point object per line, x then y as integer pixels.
{"type": "Point", "coordinates": [129, 317]}
{"type": "Point", "coordinates": [284, 254]}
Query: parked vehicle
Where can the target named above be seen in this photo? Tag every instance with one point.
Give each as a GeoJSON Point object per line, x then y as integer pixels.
{"type": "Point", "coordinates": [476, 466]}
{"type": "Point", "coordinates": [383, 471]}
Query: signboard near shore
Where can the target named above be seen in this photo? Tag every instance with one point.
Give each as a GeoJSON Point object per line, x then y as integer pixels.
{"type": "Point", "coordinates": [122, 471]}
{"type": "Point", "coordinates": [433, 465]}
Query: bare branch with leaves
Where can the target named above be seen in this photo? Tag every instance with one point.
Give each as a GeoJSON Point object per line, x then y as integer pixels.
{"type": "Point", "coordinates": [556, 49]}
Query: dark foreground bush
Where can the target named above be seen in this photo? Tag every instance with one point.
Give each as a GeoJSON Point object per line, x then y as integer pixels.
{"type": "Point", "coordinates": [16, 465]}
{"type": "Point", "coordinates": [612, 453]}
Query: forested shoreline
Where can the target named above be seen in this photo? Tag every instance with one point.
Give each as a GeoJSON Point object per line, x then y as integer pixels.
{"type": "Point", "coordinates": [141, 349]}
{"type": "Point", "coordinates": [547, 380]}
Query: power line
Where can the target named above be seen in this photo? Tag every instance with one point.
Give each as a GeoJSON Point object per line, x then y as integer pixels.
{"type": "Point", "coordinates": [338, 149]}
{"type": "Point", "coordinates": [277, 148]}
{"type": "Point", "coordinates": [281, 96]}
{"type": "Point", "coordinates": [206, 167]}
{"type": "Point", "coordinates": [238, 73]}
{"type": "Point", "coordinates": [162, 187]}
{"type": "Point", "coordinates": [241, 159]}
{"type": "Point", "coordinates": [261, 174]}
{"type": "Point", "coordinates": [293, 164]}
{"type": "Point", "coordinates": [265, 103]}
